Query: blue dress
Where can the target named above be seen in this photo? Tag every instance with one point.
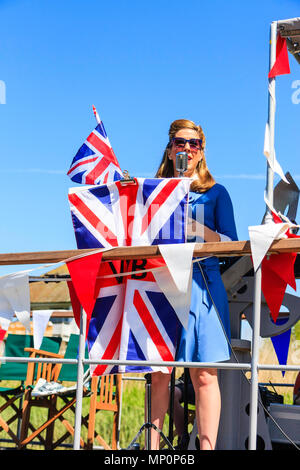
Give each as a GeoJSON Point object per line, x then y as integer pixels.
{"type": "Point", "coordinates": [205, 338]}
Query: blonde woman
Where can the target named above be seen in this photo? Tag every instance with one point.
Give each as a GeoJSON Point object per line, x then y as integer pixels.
{"type": "Point", "coordinates": [208, 334]}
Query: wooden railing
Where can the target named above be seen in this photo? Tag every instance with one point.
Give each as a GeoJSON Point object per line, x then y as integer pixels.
{"type": "Point", "coordinates": [219, 249]}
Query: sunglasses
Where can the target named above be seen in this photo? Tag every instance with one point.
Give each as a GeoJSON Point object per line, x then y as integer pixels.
{"type": "Point", "coordinates": [180, 142]}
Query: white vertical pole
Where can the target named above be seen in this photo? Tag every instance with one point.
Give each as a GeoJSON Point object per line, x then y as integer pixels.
{"type": "Point", "coordinates": [254, 360]}
{"type": "Point", "coordinates": [271, 113]}
{"type": "Point", "coordinates": [120, 415]}
{"type": "Point", "coordinates": [80, 373]}
{"type": "Point", "coordinates": [257, 274]}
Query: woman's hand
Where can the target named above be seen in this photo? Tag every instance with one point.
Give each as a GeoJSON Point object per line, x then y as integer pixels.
{"type": "Point", "coordinates": [195, 229]}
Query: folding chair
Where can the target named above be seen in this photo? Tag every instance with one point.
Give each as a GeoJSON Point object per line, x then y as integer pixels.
{"type": "Point", "coordinates": [16, 372]}
{"type": "Point", "coordinates": [51, 372]}
{"type": "Point", "coordinates": [106, 395]}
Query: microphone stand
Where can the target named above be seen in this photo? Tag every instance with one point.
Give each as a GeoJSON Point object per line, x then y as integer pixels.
{"type": "Point", "coordinates": [148, 425]}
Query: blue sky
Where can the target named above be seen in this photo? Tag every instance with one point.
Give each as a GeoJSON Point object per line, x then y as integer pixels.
{"type": "Point", "coordinates": [142, 64]}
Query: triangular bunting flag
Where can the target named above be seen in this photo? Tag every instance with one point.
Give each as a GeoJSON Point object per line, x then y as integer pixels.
{"type": "Point", "coordinates": [180, 301]}
{"type": "Point", "coordinates": [75, 303]}
{"type": "Point", "coordinates": [40, 320]}
{"type": "Point", "coordinates": [178, 258]}
{"type": "Point", "coordinates": [274, 286]}
{"type": "Point", "coordinates": [261, 238]}
{"type": "Point", "coordinates": [14, 288]}
{"type": "Point", "coordinates": [277, 273]}
{"type": "Point", "coordinates": [281, 65]}
{"type": "Point", "coordinates": [273, 162]}
{"type": "Point", "coordinates": [83, 272]}
{"type": "Point", "coordinates": [5, 319]}
{"type": "Point", "coordinates": [282, 265]}
{"type": "Point", "coordinates": [6, 316]}
{"type": "Point", "coordinates": [175, 280]}
{"type": "Point", "coordinates": [281, 345]}
{"type": "Point", "coordinates": [277, 269]}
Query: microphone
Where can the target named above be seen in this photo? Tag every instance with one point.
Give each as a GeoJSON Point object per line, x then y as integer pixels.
{"type": "Point", "coordinates": [181, 162]}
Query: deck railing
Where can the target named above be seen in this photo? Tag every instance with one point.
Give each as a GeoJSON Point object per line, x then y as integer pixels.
{"type": "Point", "coordinates": [220, 249]}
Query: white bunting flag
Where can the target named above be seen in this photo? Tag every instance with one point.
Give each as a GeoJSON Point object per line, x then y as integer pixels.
{"type": "Point", "coordinates": [261, 238]}
{"type": "Point", "coordinates": [175, 280]}
{"type": "Point", "coordinates": [272, 162]}
{"type": "Point", "coordinates": [5, 318]}
{"type": "Point", "coordinates": [40, 320]}
{"type": "Point", "coordinates": [15, 297]}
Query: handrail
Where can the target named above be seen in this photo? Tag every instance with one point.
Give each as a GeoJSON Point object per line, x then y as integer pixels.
{"type": "Point", "coordinates": [219, 249]}
{"type": "Point", "coordinates": [221, 365]}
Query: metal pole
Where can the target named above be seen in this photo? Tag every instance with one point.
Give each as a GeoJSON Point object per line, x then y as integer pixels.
{"type": "Point", "coordinates": [148, 411]}
{"type": "Point", "coordinates": [254, 360]}
{"type": "Point", "coordinates": [80, 373]}
{"type": "Point", "coordinates": [171, 407]}
{"type": "Point", "coordinates": [120, 414]}
{"type": "Point", "coordinates": [271, 115]}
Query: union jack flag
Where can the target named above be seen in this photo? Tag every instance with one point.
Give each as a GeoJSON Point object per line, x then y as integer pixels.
{"type": "Point", "coordinates": [95, 162]}
{"type": "Point", "coordinates": [132, 318]}
{"type": "Point", "coordinates": [149, 212]}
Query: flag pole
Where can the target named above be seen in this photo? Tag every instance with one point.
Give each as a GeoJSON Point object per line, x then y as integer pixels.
{"type": "Point", "coordinates": [254, 360]}
{"type": "Point", "coordinates": [258, 273]}
{"type": "Point", "coordinates": [80, 373]}
{"type": "Point", "coordinates": [96, 115]}
{"type": "Point", "coordinates": [271, 118]}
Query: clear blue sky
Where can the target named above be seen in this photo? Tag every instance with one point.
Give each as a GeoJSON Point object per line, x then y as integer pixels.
{"type": "Point", "coordinates": [142, 64]}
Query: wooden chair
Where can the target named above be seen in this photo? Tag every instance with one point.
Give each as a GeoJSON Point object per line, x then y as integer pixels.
{"type": "Point", "coordinates": [106, 394]}
{"type": "Point", "coordinates": [55, 372]}
{"type": "Point", "coordinates": [16, 372]}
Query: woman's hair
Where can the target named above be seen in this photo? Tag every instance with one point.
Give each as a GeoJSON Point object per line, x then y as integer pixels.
{"type": "Point", "coordinates": [166, 170]}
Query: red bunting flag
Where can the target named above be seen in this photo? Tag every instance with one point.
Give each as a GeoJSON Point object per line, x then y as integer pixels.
{"type": "Point", "coordinates": [83, 291]}
{"type": "Point", "coordinates": [277, 273]}
{"type": "Point", "coordinates": [2, 334]}
{"type": "Point", "coordinates": [275, 280]}
{"type": "Point", "coordinates": [281, 65]}
{"type": "Point", "coordinates": [75, 303]}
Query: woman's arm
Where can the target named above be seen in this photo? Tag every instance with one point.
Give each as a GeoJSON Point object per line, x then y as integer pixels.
{"type": "Point", "coordinates": [224, 216]}
{"type": "Point", "coordinates": [225, 229]}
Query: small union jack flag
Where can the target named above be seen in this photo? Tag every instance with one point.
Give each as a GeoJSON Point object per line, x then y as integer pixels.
{"type": "Point", "coordinates": [132, 318]}
{"type": "Point", "coordinates": [95, 162]}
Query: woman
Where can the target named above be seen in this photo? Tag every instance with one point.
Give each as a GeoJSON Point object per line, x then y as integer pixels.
{"type": "Point", "coordinates": [206, 338]}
